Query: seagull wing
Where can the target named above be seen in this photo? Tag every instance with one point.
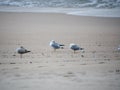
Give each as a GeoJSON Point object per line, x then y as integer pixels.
{"type": "Point", "coordinates": [61, 45]}
{"type": "Point", "coordinates": [55, 45]}
{"type": "Point", "coordinates": [75, 47]}
{"type": "Point", "coordinates": [20, 50]}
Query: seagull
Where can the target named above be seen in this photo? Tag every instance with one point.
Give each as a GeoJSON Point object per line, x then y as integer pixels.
{"type": "Point", "coordinates": [21, 50]}
{"type": "Point", "coordinates": [55, 45]}
{"type": "Point", "coordinates": [75, 47]}
{"type": "Point", "coordinates": [118, 48]}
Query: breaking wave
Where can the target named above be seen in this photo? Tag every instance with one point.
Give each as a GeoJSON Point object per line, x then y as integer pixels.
{"type": "Point", "coordinates": [62, 3]}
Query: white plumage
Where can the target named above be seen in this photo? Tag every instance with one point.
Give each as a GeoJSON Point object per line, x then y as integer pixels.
{"type": "Point", "coordinates": [118, 49]}
{"type": "Point", "coordinates": [75, 47]}
{"type": "Point", "coordinates": [21, 50]}
{"type": "Point", "coordinates": [55, 45]}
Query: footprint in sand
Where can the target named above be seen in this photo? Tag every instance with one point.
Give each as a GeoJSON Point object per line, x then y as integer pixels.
{"type": "Point", "coordinates": [101, 62]}
{"type": "Point", "coordinates": [41, 66]}
{"type": "Point", "coordinates": [69, 74]}
{"type": "Point", "coordinates": [12, 63]}
{"type": "Point", "coordinates": [117, 71]}
{"type": "Point", "coordinates": [16, 68]}
{"type": "Point", "coordinates": [83, 64]}
{"type": "Point", "coordinates": [110, 71]}
{"type": "Point", "coordinates": [82, 73]}
{"type": "Point", "coordinates": [17, 75]}
{"type": "Point", "coordinates": [62, 65]}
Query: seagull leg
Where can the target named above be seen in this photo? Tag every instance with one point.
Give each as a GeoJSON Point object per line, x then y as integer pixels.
{"type": "Point", "coordinates": [74, 51]}
{"type": "Point", "coordinates": [54, 49]}
{"type": "Point", "coordinates": [20, 55]}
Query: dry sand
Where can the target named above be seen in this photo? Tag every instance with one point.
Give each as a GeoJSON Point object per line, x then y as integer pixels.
{"type": "Point", "coordinates": [43, 69]}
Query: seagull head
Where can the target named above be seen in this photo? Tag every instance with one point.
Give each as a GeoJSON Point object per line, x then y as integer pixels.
{"type": "Point", "coordinates": [72, 44]}
{"type": "Point", "coordinates": [53, 41]}
{"type": "Point", "coordinates": [21, 46]}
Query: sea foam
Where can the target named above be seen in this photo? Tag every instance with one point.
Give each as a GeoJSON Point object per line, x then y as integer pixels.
{"type": "Point", "coordinates": [101, 8]}
{"type": "Point", "coordinates": [62, 3]}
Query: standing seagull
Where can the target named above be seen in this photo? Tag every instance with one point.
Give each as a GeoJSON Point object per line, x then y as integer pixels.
{"type": "Point", "coordinates": [21, 51]}
{"type": "Point", "coordinates": [75, 47]}
{"type": "Point", "coordinates": [119, 48]}
{"type": "Point", "coordinates": [55, 45]}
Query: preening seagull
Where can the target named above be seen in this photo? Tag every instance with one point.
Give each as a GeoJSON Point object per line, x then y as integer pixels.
{"type": "Point", "coordinates": [75, 47]}
{"type": "Point", "coordinates": [55, 45]}
{"type": "Point", "coordinates": [21, 50]}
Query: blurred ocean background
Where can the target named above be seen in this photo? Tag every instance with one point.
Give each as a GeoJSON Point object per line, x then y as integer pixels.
{"type": "Point", "coordinates": [105, 8]}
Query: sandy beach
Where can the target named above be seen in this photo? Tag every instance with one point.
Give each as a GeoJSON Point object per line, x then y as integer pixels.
{"type": "Point", "coordinates": [98, 68]}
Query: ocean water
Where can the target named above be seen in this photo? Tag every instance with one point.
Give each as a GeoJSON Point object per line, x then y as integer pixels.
{"type": "Point", "coordinates": [62, 3]}
{"type": "Point", "coordinates": [105, 8]}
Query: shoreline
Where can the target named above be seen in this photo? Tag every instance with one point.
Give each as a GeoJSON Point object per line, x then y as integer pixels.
{"type": "Point", "coordinates": [53, 13]}
{"type": "Point", "coordinates": [115, 12]}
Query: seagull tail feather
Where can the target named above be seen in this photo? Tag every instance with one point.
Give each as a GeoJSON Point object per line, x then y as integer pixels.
{"type": "Point", "coordinates": [62, 45]}
{"type": "Point", "coordinates": [28, 51]}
